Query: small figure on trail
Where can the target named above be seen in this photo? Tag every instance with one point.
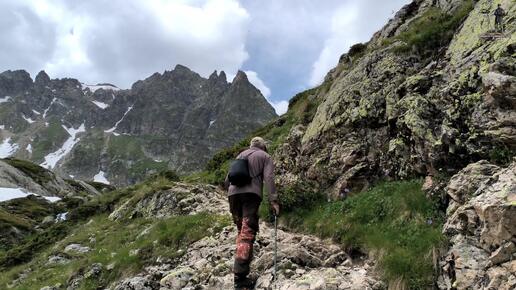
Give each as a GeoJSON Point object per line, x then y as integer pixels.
{"type": "Point", "coordinates": [499, 13]}
{"type": "Point", "coordinates": [252, 168]}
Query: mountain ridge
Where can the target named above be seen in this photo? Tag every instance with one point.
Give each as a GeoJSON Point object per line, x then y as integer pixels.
{"type": "Point", "coordinates": [171, 120]}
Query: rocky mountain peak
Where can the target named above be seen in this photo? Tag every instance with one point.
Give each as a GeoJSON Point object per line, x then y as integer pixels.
{"type": "Point", "coordinates": [218, 79]}
{"type": "Point", "coordinates": [181, 69]}
{"type": "Point", "coordinates": [222, 76]}
{"type": "Point", "coordinates": [184, 113]}
{"type": "Point", "coordinates": [42, 78]}
{"type": "Point", "coordinates": [241, 77]}
{"type": "Point", "coordinates": [14, 82]}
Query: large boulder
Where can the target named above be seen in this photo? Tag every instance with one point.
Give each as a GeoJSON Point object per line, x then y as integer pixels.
{"type": "Point", "coordinates": [481, 225]}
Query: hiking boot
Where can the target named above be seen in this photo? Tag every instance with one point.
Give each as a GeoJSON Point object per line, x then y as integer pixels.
{"type": "Point", "coordinates": [244, 283]}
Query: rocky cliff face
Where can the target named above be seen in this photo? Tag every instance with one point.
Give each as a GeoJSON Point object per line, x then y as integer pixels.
{"type": "Point", "coordinates": [481, 228]}
{"type": "Point", "coordinates": [428, 94]}
{"type": "Point", "coordinates": [173, 120]}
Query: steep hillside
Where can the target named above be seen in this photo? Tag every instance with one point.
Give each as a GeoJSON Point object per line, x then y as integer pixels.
{"type": "Point", "coordinates": [403, 159]}
{"type": "Point", "coordinates": [175, 120]}
{"type": "Point", "coordinates": [426, 96]}
{"type": "Point", "coordinates": [430, 93]}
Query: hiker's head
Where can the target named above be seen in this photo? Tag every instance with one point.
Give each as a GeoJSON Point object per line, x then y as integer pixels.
{"type": "Point", "coordinates": [258, 142]}
{"type": "Point", "coordinates": [499, 5]}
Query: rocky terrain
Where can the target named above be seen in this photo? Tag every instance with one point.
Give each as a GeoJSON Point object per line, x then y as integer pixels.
{"type": "Point", "coordinates": [397, 172]}
{"type": "Point", "coordinates": [32, 197]}
{"type": "Point", "coordinates": [175, 120]}
{"type": "Point", "coordinates": [87, 258]}
{"type": "Point", "coordinates": [481, 228]}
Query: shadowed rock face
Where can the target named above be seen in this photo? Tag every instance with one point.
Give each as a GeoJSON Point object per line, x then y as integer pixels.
{"type": "Point", "coordinates": [174, 120]}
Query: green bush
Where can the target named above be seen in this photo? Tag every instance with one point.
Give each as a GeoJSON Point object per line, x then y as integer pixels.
{"type": "Point", "coordinates": [298, 195]}
{"type": "Point", "coordinates": [501, 155]}
{"type": "Point", "coordinates": [393, 219]}
{"type": "Point", "coordinates": [433, 30]}
{"type": "Point", "coordinates": [357, 50]}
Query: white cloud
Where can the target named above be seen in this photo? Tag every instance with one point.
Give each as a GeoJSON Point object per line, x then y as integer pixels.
{"type": "Point", "coordinates": [290, 44]}
{"type": "Point", "coordinates": [281, 106]}
{"type": "Point", "coordinates": [258, 83]}
{"type": "Point", "coordinates": [120, 41]}
{"type": "Point", "coordinates": [343, 36]}
{"type": "Point", "coordinates": [352, 22]}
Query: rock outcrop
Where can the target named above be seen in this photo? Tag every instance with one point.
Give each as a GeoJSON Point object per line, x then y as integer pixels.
{"type": "Point", "coordinates": [395, 108]}
{"type": "Point", "coordinates": [175, 120]}
{"type": "Point", "coordinates": [481, 228]}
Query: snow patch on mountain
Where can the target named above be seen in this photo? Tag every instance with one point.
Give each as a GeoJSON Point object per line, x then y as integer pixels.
{"type": "Point", "coordinates": [5, 99]}
{"type": "Point", "coordinates": [93, 88]}
{"type": "Point", "coordinates": [46, 110]}
{"type": "Point", "coordinates": [54, 157]}
{"type": "Point", "coordinates": [100, 104]}
{"type": "Point", "coordinates": [119, 121]}
{"type": "Point", "coordinates": [7, 193]}
{"type": "Point", "coordinates": [101, 177]}
{"type": "Point", "coordinates": [28, 119]}
{"type": "Point", "coordinates": [7, 148]}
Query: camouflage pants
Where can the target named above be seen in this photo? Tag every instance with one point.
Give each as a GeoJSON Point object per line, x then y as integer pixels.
{"type": "Point", "coordinates": [244, 209]}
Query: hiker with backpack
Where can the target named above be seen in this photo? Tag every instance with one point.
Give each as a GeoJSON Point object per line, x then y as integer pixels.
{"type": "Point", "coordinates": [252, 169]}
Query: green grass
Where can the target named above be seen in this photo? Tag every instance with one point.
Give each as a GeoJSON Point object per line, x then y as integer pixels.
{"type": "Point", "coordinates": [48, 139]}
{"type": "Point", "coordinates": [121, 244]}
{"type": "Point", "coordinates": [393, 220]}
{"type": "Point", "coordinates": [21, 215]}
{"type": "Point", "coordinates": [433, 30]}
{"type": "Point", "coordinates": [122, 148]}
{"type": "Point", "coordinates": [36, 172]}
{"type": "Point", "coordinates": [117, 242]}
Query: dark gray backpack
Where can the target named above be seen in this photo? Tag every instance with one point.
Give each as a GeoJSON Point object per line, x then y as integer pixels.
{"type": "Point", "coordinates": [239, 172]}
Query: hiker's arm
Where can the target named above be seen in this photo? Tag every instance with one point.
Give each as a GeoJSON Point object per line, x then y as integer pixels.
{"type": "Point", "coordinates": [226, 182]}
{"type": "Point", "coordinates": [268, 178]}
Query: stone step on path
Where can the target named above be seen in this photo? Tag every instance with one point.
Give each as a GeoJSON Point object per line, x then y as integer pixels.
{"type": "Point", "coordinates": [304, 262]}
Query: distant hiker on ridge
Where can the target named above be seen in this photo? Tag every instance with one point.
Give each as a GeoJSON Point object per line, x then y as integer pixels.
{"type": "Point", "coordinates": [499, 13]}
{"type": "Point", "coordinates": [252, 168]}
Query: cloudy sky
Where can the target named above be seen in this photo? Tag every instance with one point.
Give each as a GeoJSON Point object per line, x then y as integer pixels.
{"type": "Point", "coordinates": [285, 46]}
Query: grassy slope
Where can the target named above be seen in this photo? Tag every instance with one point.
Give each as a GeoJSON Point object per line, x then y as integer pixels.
{"type": "Point", "coordinates": [393, 221]}
{"type": "Point", "coordinates": [115, 242]}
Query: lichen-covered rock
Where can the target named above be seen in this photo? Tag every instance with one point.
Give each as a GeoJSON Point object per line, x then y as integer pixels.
{"type": "Point", "coordinates": [481, 226]}
{"type": "Point", "coordinates": [389, 113]}
{"type": "Point", "coordinates": [179, 199]}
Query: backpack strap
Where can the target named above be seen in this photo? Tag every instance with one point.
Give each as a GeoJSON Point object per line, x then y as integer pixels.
{"type": "Point", "coordinates": [246, 158]}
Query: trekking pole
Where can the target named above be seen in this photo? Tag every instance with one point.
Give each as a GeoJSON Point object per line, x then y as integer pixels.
{"type": "Point", "coordinates": [275, 251]}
